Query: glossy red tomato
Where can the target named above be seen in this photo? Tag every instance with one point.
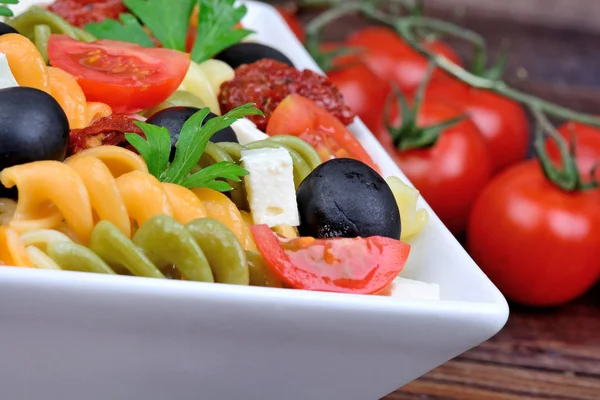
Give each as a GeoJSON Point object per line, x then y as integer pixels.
{"type": "Point", "coordinates": [363, 91]}
{"type": "Point", "coordinates": [501, 121]}
{"type": "Point", "coordinates": [125, 76]}
{"type": "Point", "coordinates": [451, 173]}
{"type": "Point", "coordinates": [587, 143]}
{"type": "Point", "coordinates": [293, 22]}
{"type": "Point", "coordinates": [357, 265]}
{"type": "Point", "coordinates": [302, 117]}
{"type": "Point", "coordinates": [392, 59]}
{"type": "Point", "coordinates": [537, 243]}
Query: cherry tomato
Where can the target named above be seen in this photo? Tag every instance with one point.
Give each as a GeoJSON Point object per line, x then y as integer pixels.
{"type": "Point", "coordinates": [391, 58]}
{"type": "Point", "coordinates": [537, 243]}
{"type": "Point", "coordinates": [363, 91]}
{"type": "Point", "coordinates": [127, 77]}
{"type": "Point", "coordinates": [451, 173]}
{"type": "Point", "coordinates": [357, 265]}
{"type": "Point", "coordinates": [587, 143]}
{"type": "Point", "coordinates": [293, 22]}
{"type": "Point", "coordinates": [501, 121]}
{"type": "Point", "coordinates": [296, 115]}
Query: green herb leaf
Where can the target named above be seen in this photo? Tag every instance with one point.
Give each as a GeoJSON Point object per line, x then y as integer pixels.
{"type": "Point", "coordinates": [216, 28]}
{"type": "Point", "coordinates": [207, 177]}
{"type": "Point", "coordinates": [168, 20]}
{"type": "Point", "coordinates": [155, 149]}
{"type": "Point", "coordinates": [194, 136]}
{"type": "Point", "coordinates": [5, 11]}
{"type": "Point", "coordinates": [129, 30]}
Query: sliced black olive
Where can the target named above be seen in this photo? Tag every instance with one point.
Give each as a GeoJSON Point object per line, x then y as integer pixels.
{"type": "Point", "coordinates": [249, 52]}
{"type": "Point", "coordinates": [5, 28]}
{"type": "Point", "coordinates": [347, 198]}
{"type": "Point", "coordinates": [173, 119]}
{"type": "Point", "coordinates": [33, 127]}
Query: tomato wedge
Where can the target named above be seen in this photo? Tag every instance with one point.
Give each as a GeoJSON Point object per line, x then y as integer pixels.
{"type": "Point", "coordinates": [344, 265]}
{"type": "Point", "coordinates": [125, 76]}
{"type": "Point", "coordinates": [298, 116]}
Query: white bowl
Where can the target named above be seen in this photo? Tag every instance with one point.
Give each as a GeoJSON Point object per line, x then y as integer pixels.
{"type": "Point", "coordinates": [67, 335]}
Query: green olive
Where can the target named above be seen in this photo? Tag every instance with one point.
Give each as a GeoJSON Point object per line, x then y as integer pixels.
{"type": "Point", "coordinates": [74, 257]}
{"type": "Point", "coordinates": [222, 249]}
{"type": "Point", "coordinates": [118, 251]}
{"type": "Point", "coordinates": [260, 273]}
{"type": "Point", "coordinates": [165, 241]}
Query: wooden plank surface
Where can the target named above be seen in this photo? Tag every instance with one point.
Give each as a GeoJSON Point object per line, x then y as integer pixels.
{"type": "Point", "coordinates": [540, 354]}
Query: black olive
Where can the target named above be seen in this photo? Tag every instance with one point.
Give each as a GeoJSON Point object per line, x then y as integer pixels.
{"type": "Point", "coordinates": [5, 28]}
{"type": "Point", "coordinates": [249, 52]}
{"type": "Point", "coordinates": [347, 198]}
{"type": "Point", "coordinates": [173, 119]}
{"type": "Point", "coordinates": [33, 127]}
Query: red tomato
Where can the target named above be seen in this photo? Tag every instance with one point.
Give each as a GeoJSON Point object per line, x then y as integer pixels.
{"type": "Point", "coordinates": [83, 12]}
{"type": "Point", "coordinates": [363, 91]}
{"type": "Point", "coordinates": [538, 244]}
{"type": "Point", "coordinates": [501, 121]}
{"type": "Point", "coordinates": [298, 116]}
{"type": "Point", "coordinates": [391, 58]}
{"type": "Point", "coordinates": [125, 76]}
{"type": "Point", "coordinates": [587, 143]}
{"type": "Point", "coordinates": [357, 265]}
{"type": "Point", "coordinates": [293, 22]}
{"type": "Point", "coordinates": [451, 173]}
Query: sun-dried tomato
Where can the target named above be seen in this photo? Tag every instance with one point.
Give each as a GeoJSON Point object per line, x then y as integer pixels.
{"type": "Point", "coordinates": [82, 12]}
{"type": "Point", "coordinates": [267, 82]}
{"type": "Point", "coordinates": [107, 131]}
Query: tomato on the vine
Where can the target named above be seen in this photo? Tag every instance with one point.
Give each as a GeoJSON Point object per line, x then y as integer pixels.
{"type": "Point", "coordinates": [292, 22]}
{"type": "Point", "coordinates": [537, 243]}
{"type": "Point", "coordinates": [452, 171]}
{"type": "Point", "coordinates": [587, 143]}
{"type": "Point", "coordinates": [363, 91]}
{"type": "Point", "coordinates": [501, 121]}
{"type": "Point", "coordinates": [392, 59]}
{"type": "Point", "coordinates": [345, 265]}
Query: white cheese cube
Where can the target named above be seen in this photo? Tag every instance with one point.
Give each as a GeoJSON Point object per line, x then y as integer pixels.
{"type": "Point", "coordinates": [7, 79]}
{"type": "Point", "coordinates": [270, 186]}
{"type": "Point", "coordinates": [410, 289]}
{"type": "Point", "coordinates": [247, 132]}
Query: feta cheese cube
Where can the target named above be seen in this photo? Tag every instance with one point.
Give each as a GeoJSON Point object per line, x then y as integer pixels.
{"type": "Point", "coordinates": [247, 132]}
{"type": "Point", "coordinates": [410, 289]}
{"type": "Point", "coordinates": [7, 79]}
{"type": "Point", "coordinates": [270, 186]}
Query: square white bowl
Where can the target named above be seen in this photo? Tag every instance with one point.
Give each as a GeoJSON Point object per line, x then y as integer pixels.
{"type": "Point", "coordinates": [67, 335]}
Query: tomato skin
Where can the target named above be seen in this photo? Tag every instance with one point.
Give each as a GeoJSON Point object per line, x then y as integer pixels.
{"type": "Point", "coordinates": [587, 143]}
{"type": "Point", "coordinates": [343, 265]}
{"type": "Point", "coordinates": [292, 22]}
{"type": "Point", "coordinates": [127, 77]}
{"type": "Point", "coordinates": [502, 122]}
{"type": "Point", "coordinates": [451, 173]}
{"type": "Point", "coordinates": [298, 116]}
{"type": "Point", "coordinates": [391, 58]}
{"type": "Point", "coordinates": [537, 243]}
{"type": "Point", "coordinates": [363, 91]}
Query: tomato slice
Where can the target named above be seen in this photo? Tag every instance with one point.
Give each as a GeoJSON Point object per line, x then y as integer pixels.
{"type": "Point", "coordinates": [298, 116]}
{"type": "Point", "coordinates": [125, 76]}
{"type": "Point", "coordinates": [344, 265]}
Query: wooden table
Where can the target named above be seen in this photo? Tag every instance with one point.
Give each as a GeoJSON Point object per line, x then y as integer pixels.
{"type": "Point", "coordinates": [540, 354]}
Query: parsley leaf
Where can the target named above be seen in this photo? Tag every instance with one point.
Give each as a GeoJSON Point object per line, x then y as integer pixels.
{"type": "Point", "coordinates": [5, 11]}
{"type": "Point", "coordinates": [168, 20]}
{"type": "Point", "coordinates": [195, 134]}
{"type": "Point", "coordinates": [216, 27]}
{"type": "Point", "coordinates": [130, 30]}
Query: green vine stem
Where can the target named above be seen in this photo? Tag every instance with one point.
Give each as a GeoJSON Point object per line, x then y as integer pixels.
{"type": "Point", "coordinates": [567, 176]}
{"type": "Point", "coordinates": [405, 27]}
